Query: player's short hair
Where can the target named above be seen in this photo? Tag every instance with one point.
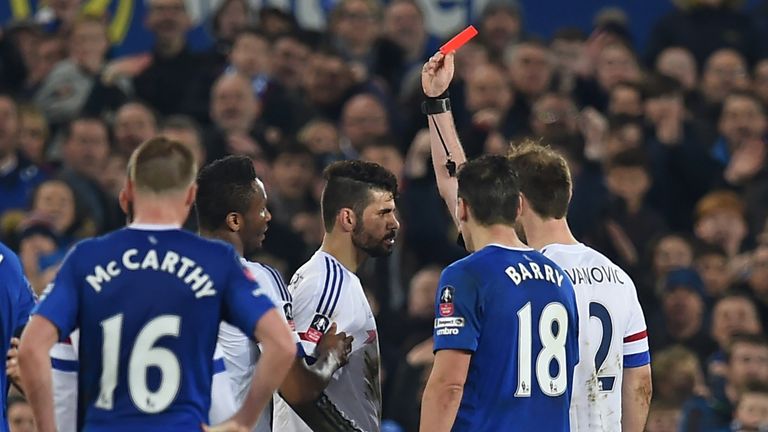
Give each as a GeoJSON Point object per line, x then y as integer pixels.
{"type": "Point", "coordinates": [491, 188]}
{"type": "Point", "coordinates": [545, 179]}
{"type": "Point", "coordinates": [160, 166]}
{"type": "Point", "coordinates": [349, 185]}
{"type": "Point", "coordinates": [224, 186]}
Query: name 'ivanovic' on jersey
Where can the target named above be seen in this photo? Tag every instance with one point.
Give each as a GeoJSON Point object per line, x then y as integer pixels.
{"type": "Point", "coordinates": [594, 275]}
{"type": "Point", "coordinates": [170, 262]}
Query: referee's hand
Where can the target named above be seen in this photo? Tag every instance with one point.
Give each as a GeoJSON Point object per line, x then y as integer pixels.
{"type": "Point", "coordinates": [437, 74]}
{"type": "Point", "coordinates": [336, 344]}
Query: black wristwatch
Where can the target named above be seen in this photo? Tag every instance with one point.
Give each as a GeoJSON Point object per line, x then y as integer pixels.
{"type": "Point", "coordinates": [436, 105]}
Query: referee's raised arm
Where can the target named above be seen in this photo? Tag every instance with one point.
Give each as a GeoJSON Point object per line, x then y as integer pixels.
{"type": "Point", "coordinates": [447, 153]}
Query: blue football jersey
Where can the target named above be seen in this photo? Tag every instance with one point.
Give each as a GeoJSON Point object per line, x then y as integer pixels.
{"type": "Point", "coordinates": [514, 310]}
{"type": "Point", "coordinates": [148, 301]}
{"type": "Point", "coordinates": [16, 303]}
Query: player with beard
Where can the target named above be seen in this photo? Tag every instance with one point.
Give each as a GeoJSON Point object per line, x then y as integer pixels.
{"type": "Point", "coordinates": [358, 207]}
{"type": "Point", "coordinates": [612, 383]}
{"type": "Point", "coordinates": [232, 206]}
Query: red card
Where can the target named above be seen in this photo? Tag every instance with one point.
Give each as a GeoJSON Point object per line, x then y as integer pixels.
{"type": "Point", "coordinates": [459, 40]}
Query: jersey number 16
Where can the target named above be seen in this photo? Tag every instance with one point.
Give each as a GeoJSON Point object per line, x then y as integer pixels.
{"type": "Point", "coordinates": [143, 356]}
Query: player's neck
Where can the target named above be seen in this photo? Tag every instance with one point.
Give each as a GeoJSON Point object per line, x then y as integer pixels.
{"type": "Point", "coordinates": [542, 232]}
{"type": "Point", "coordinates": [495, 234]}
{"type": "Point", "coordinates": [159, 212]}
{"type": "Point", "coordinates": [225, 236]}
{"type": "Point", "coordinates": [342, 248]}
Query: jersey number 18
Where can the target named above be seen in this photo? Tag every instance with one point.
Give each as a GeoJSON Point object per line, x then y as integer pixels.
{"type": "Point", "coordinates": [143, 356]}
{"type": "Point", "coordinates": [553, 349]}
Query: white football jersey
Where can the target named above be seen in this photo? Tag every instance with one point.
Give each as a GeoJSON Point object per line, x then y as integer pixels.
{"type": "Point", "coordinates": [323, 292]}
{"type": "Point", "coordinates": [240, 353]}
{"type": "Point", "coordinates": [612, 335]}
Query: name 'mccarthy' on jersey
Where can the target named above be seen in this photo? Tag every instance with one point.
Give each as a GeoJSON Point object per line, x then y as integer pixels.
{"type": "Point", "coordinates": [515, 311]}
{"type": "Point", "coordinates": [148, 300]}
{"type": "Point", "coordinates": [612, 334]}
{"type": "Point", "coordinates": [323, 292]}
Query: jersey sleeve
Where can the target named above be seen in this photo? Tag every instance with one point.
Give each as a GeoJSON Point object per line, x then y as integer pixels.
{"type": "Point", "coordinates": [60, 304]}
{"type": "Point", "coordinates": [245, 303]}
{"type": "Point", "coordinates": [457, 310]}
{"type": "Point", "coordinates": [26, 302]}
{"type": "Point", "coordinates": [315, 305]}
{"type": "Point", "coordinates": [635, 346]}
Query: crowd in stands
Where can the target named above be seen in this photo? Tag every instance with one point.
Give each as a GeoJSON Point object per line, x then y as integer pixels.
{"type": "Point", "coordinates": [666, 145]}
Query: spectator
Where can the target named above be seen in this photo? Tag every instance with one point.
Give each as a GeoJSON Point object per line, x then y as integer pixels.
{"type": "Point", "coordinates": [289, 60]}
{"type": "Point", "coordinates": [33, 135]}
{"type": "Point", "coordinates": [678, 63]}
{"type": "Point", "coordinates": [47, 51]}
{"type": "Point", "coordinates": [134, 123]}
{"type": "Point", "coordinates": [363, 118]}
{"type": "Point", "coordinates": [554, 117]}
{"type": "Point", "coordinates": [757, 280]}
{"type": "Point", "coordinates": [84, 155]}
{"type": "Point", "coordinates": [275, 21]}
{"type": "Point", "coordinates": [747, 364]}
{"type": "Point", "coordinates": [385, 152]}
{"type": "Point", "coordinates": [54, 222]}
{"type": "Point", "coordinates": [501, 26]}
{"type": "Point", "coordinates": [20, 416]}
{"type": "Point", "coordinates": [677, 376]}
{"type": "Point", "coordinates": [63, 93]}
{"type": "Point", "coordinates": [724, 71]}
{"type": "Point", "coordinates": [235, 112]}
{"type": "Point", "coordinates": [627, 222]}
{"type": "Point", "coordinates": [683, 169]}
{"type": "Point", "coordinates": [568, 47]}
{"type": "Point", "coordinates": [18, 177]}
{"type": "Point", "coordinates": [328, 82]}
{"type": "Point", "coordinates": [662, 417]}
{"type": "Point", "coordinates": [731, 315]}
{"type": "Point", "coordinates": [489, 99]}
{"type": "Point", "coordinates": [751, 410]}
{"type": "Point", "coordinates": [683, 315]}
{"type": "Point", "coordinates": [355, 28]}
{"type": "Point", "coordinates": [669, 252]}
{"type": "Point", "coordinates": [711, 262]}
{"type": "Point", "coordinates": [614, 63]}
{"type": "Point", "coordinates": [322, 138]}
{"type": "Point", "coordinates": [720, 221]}
{"type": "Point", "coordinates": [626, 98]}
{"type": "Point", "coordinates": [250, 57]}
{"type": "Point", "coordinates": [18, 51]}
{"type": "Point", "coordinates": [185, 130]}
{"type": "Point", "coordinates": [760, 81]}
{"type": "Point", "coordinates": [404, 25]}
{"type": "Point", "coordinates": [229, 19]}
{"type": "Point", "coordinates": [704, 26]}
{"type": "Point", "coordinates": [530, 68]}
{"type": "Point", "coordinates": [176, 81]}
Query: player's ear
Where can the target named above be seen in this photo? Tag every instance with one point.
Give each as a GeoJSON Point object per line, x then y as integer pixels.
{"type": "Point", "coordinates": [234, 221]}
{"type": "Point", "coordinates": [462, 211]}
{"type": "Point", "coordinates": [191, 193]}
{"type": "Point", "coordinates": [126, 196]}
{"type": "Point", "coordinates": [347, 219]}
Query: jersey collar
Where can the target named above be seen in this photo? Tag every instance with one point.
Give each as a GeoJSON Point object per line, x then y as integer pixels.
{"type": "Point", "coordinates": [153, 227]}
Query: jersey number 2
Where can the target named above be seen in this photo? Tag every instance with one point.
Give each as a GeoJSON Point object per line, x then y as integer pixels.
{"type": "Point", "coordinates": [553, 348]}
{"type": "Point", "coordinates": [596, 310]}
{"type": "Point", "coordinates": [143, 356]}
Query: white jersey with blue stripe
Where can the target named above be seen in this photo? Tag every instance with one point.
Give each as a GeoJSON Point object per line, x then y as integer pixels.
{"type": "Point", "coordinates": [612, 334]}
{"type": "Point", "coordinates": [240, 353]}
{"type": "Point", "coordinates": [323, 292]}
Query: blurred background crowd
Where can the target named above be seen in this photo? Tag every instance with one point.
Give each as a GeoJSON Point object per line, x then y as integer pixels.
{"type": "Point", "coordinates": [665, 138]}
